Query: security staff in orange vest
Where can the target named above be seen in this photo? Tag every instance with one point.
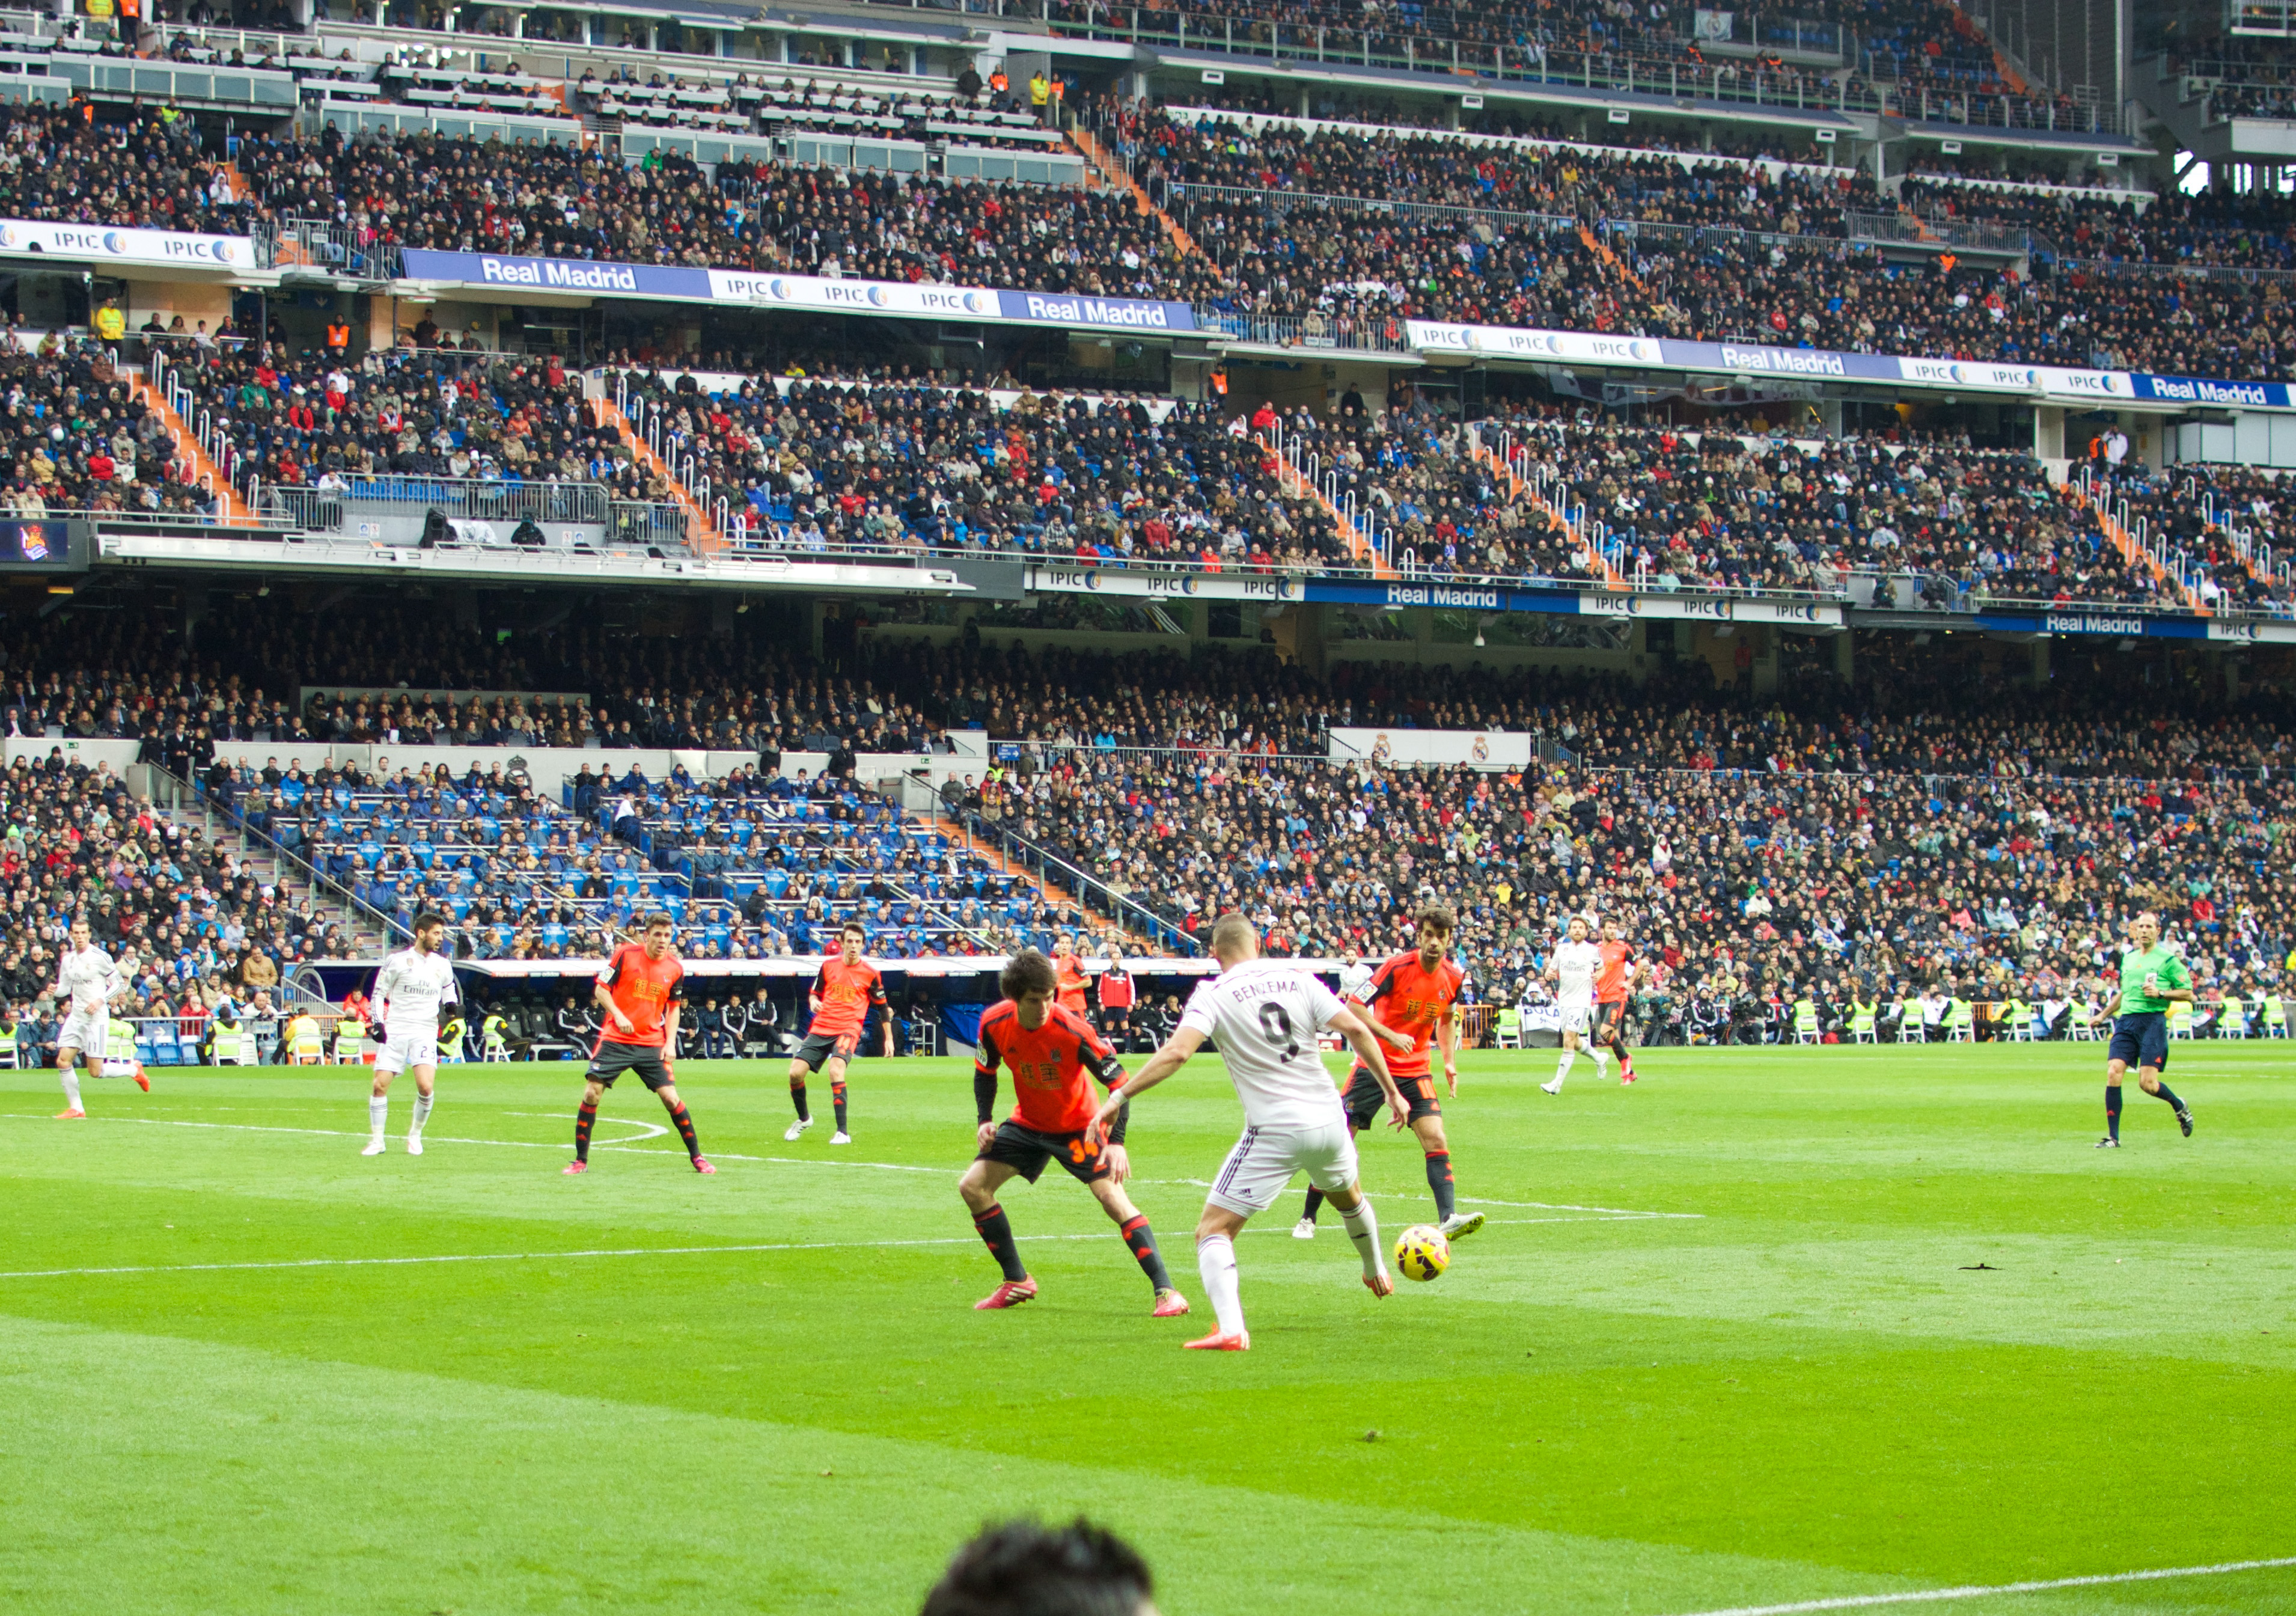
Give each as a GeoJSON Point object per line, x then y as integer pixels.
{"type": "Point", "coordinates": [339, 337]}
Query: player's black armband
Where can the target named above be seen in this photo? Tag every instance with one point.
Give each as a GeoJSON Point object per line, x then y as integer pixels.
{"type": "Point", "coordinates": [984, 1093]}
{"type": "Point", "coordinates": [1123, 1121]}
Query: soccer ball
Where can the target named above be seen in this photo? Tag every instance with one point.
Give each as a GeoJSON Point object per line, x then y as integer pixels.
{"type": "Point", "coordinates": [1422, 1253]}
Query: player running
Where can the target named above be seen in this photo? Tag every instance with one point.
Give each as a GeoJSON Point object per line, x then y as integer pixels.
{"type": "Point", "coordinates": [1612, 981]}
{"type": "Point", "coordinates": [2152, 977]}
{"type": "Point", "coordinates": [1265, 1015]}
{"type": "Point", "coordinates": [640, 993]}
{"type": "Point", "coordinates": [1050, 1050]}
{"type": "Point", "coordinates": [409, 990]}
{"type": "Point", "coordinates": [87, 979]}
{"type": "Point", "coordinates": [1410, 1000]}
{"type": "Point", "coordinates": [844, 992]}
{"type": "Point", "coordinates": [1572, 969]}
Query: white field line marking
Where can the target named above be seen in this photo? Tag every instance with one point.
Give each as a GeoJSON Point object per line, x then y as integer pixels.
{"type": "Point", "coordinates": [400, 1262]}
{"type": "Point", "coordinates": [635, 1143]}
{"type": "Point", "coordinates": [1859, 1602]}
{"type": "Point", "coordinates": [653, 1130]}
{"type": "Point", "coordinates": [1557, 1206]}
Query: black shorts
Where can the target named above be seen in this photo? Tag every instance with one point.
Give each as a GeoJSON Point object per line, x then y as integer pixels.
{"type": "Point", "coordinates": [1607, 1018]}
{"type": "Point", "coordinates": [2141, 1039]}
{"type": "Point", "coordinates": [1365, 1097]}
{"type": "Point", "coordinates": [820, 1048]}
{"type": "Point", "coordinates": [1026, 1151]}
{"type": "Point", "coordinates": [610, 1060]}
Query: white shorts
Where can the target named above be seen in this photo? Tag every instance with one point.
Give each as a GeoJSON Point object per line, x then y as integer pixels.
{"type": "Point", "coordinates": [83, 1030]}
{"type": "Point", "coordinates": [402, 1051]}
{"type": "Point", "coordinates": [1264, 1159]}
{"type": "Point", "coordinates": [1578, 1016]}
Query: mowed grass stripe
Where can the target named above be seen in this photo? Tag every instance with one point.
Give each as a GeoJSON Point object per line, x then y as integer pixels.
{"type": "Point", "coordinates": [1791, 1377]}
{"type": "Point", "coordinates": [361, 1489]}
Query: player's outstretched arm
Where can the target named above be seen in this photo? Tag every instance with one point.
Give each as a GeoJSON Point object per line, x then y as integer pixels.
{"type": "Point", "coordinates": [1178, 1051]}
{"type": "Point", "coordinates": [1355, 1027]}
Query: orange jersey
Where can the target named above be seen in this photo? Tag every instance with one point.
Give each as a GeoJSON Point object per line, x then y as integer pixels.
{"type": "Point", "coordinates": [1410, 998]}
{"type": "Point", "coordinates": [1069, 984]}
{"type": "Point", "coordinates": [843, 996]}
{"type": "Point", "coordinates": [1049, 1066]}
{"type": "Point", "coordinates": [1611, 975]}
{"type": "Point", "coordinates": [646, 990]}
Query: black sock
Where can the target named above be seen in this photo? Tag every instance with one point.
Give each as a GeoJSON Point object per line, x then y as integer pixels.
{"type": "Point", "coordinates": [837, 1102]}
{"type": "Point", "coordinates": [1438, 1180]}
{"type": "Point", "coordinates": [1625, 1057]}
{"type": "Point", "coordinates": [1142, 1239]}
{"type": "Point", "coordinates": [686, 1129]}
{"type": "Point", "coordinates": [583, 1119]}
{"type": "Point", "coordinates": [2112, 1111]}
{"type": "Point", "coordinates": [996, 1231]}
{"type": "Point", "coordinates": [1314, 1203]}
{"type": "Point", "coordinates": [2166, 1092]}
{"type": "Point", "coordinates": [797, 1095]}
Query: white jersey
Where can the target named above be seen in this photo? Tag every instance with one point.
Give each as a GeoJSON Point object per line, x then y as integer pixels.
{"type": "Point", "coordinates": [410, 988]}
{"type": "Point", "coordinates": [89, 979]}
{"type": "Point", "coordinates": [1265, 1014]}
{"type": "Point", "coordinates": [1575, 965]}
{"type": "Point", "coordinates": [1354, 979]}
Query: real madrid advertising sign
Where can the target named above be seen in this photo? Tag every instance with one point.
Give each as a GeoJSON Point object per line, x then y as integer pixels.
{"type": "Point", "coordinates": [813, 293]}
{"type": "Point", "coordinates": [1755, 360]}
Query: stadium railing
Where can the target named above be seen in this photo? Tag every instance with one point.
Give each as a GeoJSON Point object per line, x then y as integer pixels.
{"type": "Point", "coordinates": [216, 813]}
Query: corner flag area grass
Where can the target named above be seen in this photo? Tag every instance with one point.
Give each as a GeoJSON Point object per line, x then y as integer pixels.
{"type": "Point", "coordinates": [1770, 1327]}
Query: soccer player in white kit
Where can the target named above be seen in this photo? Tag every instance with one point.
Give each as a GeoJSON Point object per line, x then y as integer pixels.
{"type": "Point", "coordinates": [408, 990]}
{"type": "Point", "coordinates": [86, 982]}
{"type": "Point", "coordinates": [1572, 970]}
{"type": "Point", "coordinates": [1266, 1014]}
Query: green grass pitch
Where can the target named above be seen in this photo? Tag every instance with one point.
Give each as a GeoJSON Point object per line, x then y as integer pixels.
{"type": "Point", "coordinates": [1770, 1327]}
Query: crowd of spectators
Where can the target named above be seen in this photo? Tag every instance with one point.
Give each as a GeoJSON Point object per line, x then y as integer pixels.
{"type": "Point", "coordinates": [818, 465]}
{"type": "Point", "coordinates": [200, 936]}
{"type": "Point", "coordinates": [1897, 859]}
{"type": "Point", "coordinates": [1302, 227]}
{"type": "Point", "coordinates": [1844, 840]}
{"type": "Point", "coordinates": [322, 421]}
{"type": "Point", "coordinates": [73, 437]}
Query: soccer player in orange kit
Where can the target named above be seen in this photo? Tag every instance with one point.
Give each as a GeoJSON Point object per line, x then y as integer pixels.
{"type": "Point", "coordinates": [1050, 1051]}
{"type": "Point", "coordinates": [844, 991]}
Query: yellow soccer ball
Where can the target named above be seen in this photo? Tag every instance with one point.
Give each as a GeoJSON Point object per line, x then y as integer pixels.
{"type": "Point", "coordinates": [1422, 1253]}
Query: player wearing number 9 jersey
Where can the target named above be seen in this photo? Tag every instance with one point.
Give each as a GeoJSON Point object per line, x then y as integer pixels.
{"type": "Point", "coordinates": [1050, 1051]}
{"type": "Point", "coordinates": [1266, 1014]}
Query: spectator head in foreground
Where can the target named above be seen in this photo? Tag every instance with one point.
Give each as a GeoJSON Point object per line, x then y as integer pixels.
{"type": "Point", "coordinates": [1021, 1568]}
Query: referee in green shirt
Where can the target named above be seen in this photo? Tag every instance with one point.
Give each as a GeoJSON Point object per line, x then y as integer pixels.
{"type": "Point", "coordinates": [2151, 979]}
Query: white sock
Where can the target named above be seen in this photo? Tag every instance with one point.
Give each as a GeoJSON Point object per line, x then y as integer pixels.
{"type": "Point", "coordinates": [1363, 1228]}
{"type": "Point", "coordinates": [71, 1076]}
{"type": "Point", "coordinates": [378, 1112]}
{"type": "Point", "coordinates": [422, 1111]}
{"type": "Point", "coordinates": [1602, 1062]}
{"type": "Point", "coordinates": [1215, 1261]}
{"type": "Point", "coordinates": [1562, 1067]}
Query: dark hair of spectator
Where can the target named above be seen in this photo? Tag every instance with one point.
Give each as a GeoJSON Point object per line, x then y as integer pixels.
{"type": "Point", "coordinates": [1021, 1568]}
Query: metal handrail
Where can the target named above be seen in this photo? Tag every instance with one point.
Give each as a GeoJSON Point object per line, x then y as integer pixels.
{"type": "Point", "coordinates": [287, 857]}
